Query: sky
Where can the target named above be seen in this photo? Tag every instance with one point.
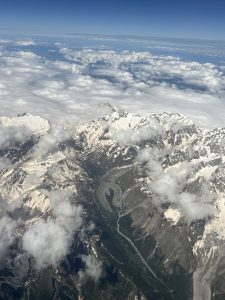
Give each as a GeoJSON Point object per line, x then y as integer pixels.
{"type": "Point", "coordinates": [202, 19]}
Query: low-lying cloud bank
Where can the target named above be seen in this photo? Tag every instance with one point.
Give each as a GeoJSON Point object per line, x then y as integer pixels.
{"type": "Point", "coordinates": [68, 89]}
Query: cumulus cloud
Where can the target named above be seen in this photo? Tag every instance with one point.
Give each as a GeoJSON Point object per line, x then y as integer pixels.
{"type": "Point", "coordinates": [93, 268]}
{"type": "Point", "coordinates": [131, 137]}
{"type": "Point", "coordinates": [67, 213]}
{"type": "Point", "coordinates": [130, 129]}
{"type": "Point", "coordinates": [195, 207]}
{"type": "Point", "coordinates": [49, 142]}
{"type": "Point", "coordinates": [151, 157]}
{"type": "Point", "coordinates": [168, 185]}
{"type": "Point", "coordinates": [49, 241]}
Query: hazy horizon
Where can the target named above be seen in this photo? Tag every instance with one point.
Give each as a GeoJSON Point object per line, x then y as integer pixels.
{"type": "Point", "coordinates": [187, 19]}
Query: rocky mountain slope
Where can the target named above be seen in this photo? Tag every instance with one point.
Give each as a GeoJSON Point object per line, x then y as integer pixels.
{"type": "Point", "coordinates": [124, 207]}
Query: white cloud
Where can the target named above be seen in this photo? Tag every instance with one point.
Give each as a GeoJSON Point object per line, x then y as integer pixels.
{"type": "Point", "coordinates": [93, 268]}
{"type": "Point", "coordinates": [9, 135]}
{"type": "Point", "coordinates": [7, 237]}
{"type": "Point", "coordinates": [194, 208]}
{"type": "Point", "coordinates": [167, 186]}
{"type": "Point", "coordinates": [129, 137]}
{"type": "Point", "coordinates": [25, 42]}
{"type": "Point", "coordinates": [48, 142]}
{"type": "Point", "coordinates": [18, 42]}
{"type": "Point", "coordinates": [67, 214]}
{"type": "Point", "coordinates": [49, 241]}
{"type": "Point", "coordinates": [72, 91]}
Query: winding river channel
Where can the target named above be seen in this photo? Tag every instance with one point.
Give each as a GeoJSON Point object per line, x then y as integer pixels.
{"type": "Point", "coordinates": [108, 182]}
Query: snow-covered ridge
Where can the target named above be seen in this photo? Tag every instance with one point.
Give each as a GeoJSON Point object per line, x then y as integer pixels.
{"type": "Point", "coordinates": [174, 152]}
{"type": "Point", "coordinates": [197, 151]}
{"type": "Point", "coordinates": [128, 128]}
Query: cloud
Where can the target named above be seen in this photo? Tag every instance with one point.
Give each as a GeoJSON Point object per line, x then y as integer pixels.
{"type": "Point", "coordinates": [167, 185]}
{"type": "Point", "coordinates": [18, 42]}
{"type": "Point", "coordinates": [93, 268]}
{"type": "Point", "coordinates": [128, 136]}
{"type": "Point", "coordinates": [50, 241]}
{"type": "Point", "coordinates": [47, 242]}
{"type": "Point", "coordinates": [67, 213]}
{"type": "Point", "coordinates": [10, 135]}
{"type": "Point", "coordinates": [7, 237]}
{"type": "Point", "coordinates": [25, 42]}
{"type": "Point", "coordinates": [129, 129]}
{"type": "Point", "coordinates": [21, 265]}
{"type": "Point", "coordinates": [195, 207]}
{"type": "Point", "coordinates": [66, 91]}
{"type": "Point", "coordinates": [49, 142]}
{"type": "Point", "coordinates": [151, 157]}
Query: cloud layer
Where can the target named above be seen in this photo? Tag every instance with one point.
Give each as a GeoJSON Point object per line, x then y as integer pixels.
{"type": "Point", "coordinates": [68, 89]}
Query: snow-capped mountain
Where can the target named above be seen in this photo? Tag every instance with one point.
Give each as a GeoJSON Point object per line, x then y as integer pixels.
{"type": "Point", "coordinates": [126, 200]}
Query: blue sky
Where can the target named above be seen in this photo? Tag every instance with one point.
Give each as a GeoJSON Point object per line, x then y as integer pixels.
{"type": "Point", "coordinates": [172, 18]}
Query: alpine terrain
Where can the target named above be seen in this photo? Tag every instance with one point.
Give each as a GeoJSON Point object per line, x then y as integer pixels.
{"type": "Point", "coordinates": [124, 207]}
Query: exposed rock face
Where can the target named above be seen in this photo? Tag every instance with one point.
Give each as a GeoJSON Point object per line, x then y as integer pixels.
{"type": "Point", "coordinates": [154, 183]}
